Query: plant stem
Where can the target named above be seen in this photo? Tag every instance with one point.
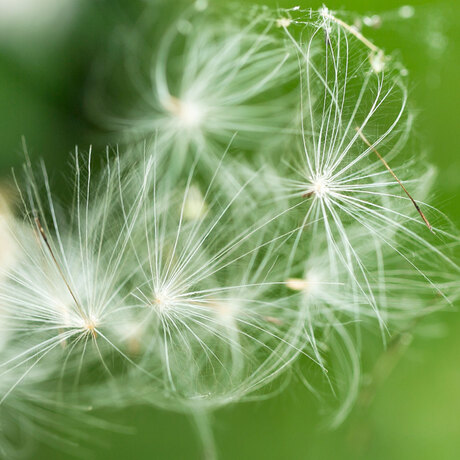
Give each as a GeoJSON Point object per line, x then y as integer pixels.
{"type": "Point", "coordinates": [203, 424]}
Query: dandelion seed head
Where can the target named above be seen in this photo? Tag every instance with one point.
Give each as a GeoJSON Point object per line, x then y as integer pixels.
{"type": "Point", "coordinates": [283, 22]}
{"type": "Point", "coordinates": [198, 319]}
{"type": "Point", "coordinates": [90, 325]}
{"type": "Point", "coordinates": [352, 200]}
{"type": "Point", "coordinates": [199, 293]}
{"type": "Point", "coordinates": [188, 113]}
{"type": "Point", "coordinates": [320, 187]}
{"type": "Point", "coordinates": [221, 78]}
{"type": "Point", "coordinates": [163, 301]}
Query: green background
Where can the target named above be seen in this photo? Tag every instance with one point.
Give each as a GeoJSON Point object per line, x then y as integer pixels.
{"type": "Point", "coordinates": [416, 411]}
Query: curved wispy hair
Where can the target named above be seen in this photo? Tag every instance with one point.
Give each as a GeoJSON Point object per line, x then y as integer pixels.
{"type": "Point", "coordinates": [185, 287]}
{"type": "Point", "coordinates": [339, 314]}
{"type": "Point", "coordinates": [141, 281]}
{"type": "Point", "coordinates": [211, 76]}
{"type": "Point", "coordinates": [209, 316]}
{"type": "Point", "coordinates": [354, 135]}
{"type": "Point", "coordinates": [30, 411]}
{"type": "Point", "coordinates": [64, 290]}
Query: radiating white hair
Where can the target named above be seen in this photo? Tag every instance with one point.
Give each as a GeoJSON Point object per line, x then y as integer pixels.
{"type": "Point", "coordinates": [191, 287]}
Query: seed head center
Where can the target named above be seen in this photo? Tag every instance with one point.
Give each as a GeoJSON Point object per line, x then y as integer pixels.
{"type": "Point", "coordinates": [319, 187]}
{"type": "Point", "coordinates": [162, 301]}
{"type": "Point", "coordinates": [188, 113]}
{"type": "Point", "coordinates": [90, 326]}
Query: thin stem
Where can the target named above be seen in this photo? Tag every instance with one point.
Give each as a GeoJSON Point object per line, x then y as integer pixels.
{"type": "Point", "coordinates": [417, 207]}
{"type": "Point", "coordinates": [203, 424]}
{"type": "Point", "coordinates": [42, 232]}
{"type": "Point", "coordinates": [352, 30]}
